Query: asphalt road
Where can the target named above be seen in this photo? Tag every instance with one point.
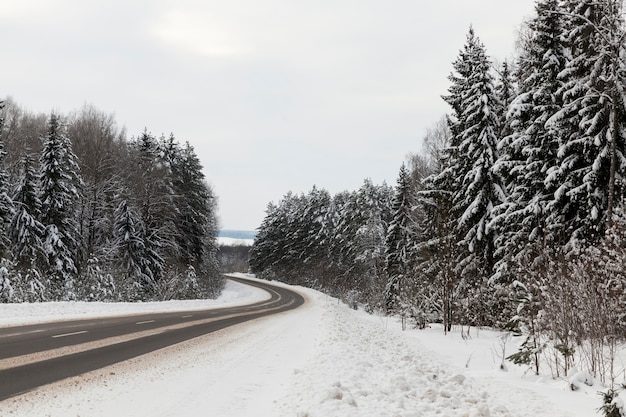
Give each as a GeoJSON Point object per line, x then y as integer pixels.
{"type": "Point", "coordinates": [37, 355]}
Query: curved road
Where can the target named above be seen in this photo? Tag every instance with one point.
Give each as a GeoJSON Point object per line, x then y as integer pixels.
{"type": "Point", "coordinates": [36, 355]}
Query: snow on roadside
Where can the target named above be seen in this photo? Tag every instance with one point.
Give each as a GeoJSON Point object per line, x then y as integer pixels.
{"type": "Point", "coordinates": [367, 366]}
{"type": "Point", "coordinates": [14, 314]}
{"type": "Point", "coordinates": [363, 369]}
{"type": "Point", "coordinates": [480, 356]}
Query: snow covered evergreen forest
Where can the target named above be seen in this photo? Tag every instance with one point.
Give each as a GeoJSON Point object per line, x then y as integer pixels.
{"type": "Point", "coordinates": [513, 216]}
{"type": "Point", "coordinates": [86, 214]}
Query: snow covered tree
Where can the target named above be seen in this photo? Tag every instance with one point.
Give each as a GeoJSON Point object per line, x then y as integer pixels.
{"type": "Point", "coordinates": [435, 251]}
{"type": "Point", "coordinates": [66, 239]}
{"type": "Point", "coordinates": [129, 249]}
{"type": "Point", "coordinates": [96, 283]}
{"type": "Point", "coordinates": [279, 246]}
{"type": "Point", "coordinates": [358, 246]}
{"type": "Point", "coordinates": [26, 231]}
{"type": "Point", "coordinates": [265, 242]}
{"type": "Point", "coordinates": [196, 209]}
{"type": "Point", "coordinates": [196, 219]}
{"type": "Point", "coordinates": [481, 188]}
{"type": "Point", "coordinates": [288, 244]}
{"type": "Point", "coordinates": [439, 252]}
{"type": "Point", "coordinates": [332, 243]}
{"type": "Point", "coordinates": [399, 240]}
{"type": "Point", "coordinates": [475, 187]}
{"type": "Point", "coordinates": [98, 146]}
{"type": "Point", "coordinates": [455, 164]}
{"type": "Point", "coordinates": [6, 204]}
{"type": "Point", "coordinates": [528, 155]}
{"type": "Point", "coordinates": [315, 253]}
{"type": "Point", "coordinates": [153, 195]}
{"type": "Point", "coordinates": [506, 92]}
{"type": "Point", "coordinates": [591, 156]}
{"type": "Point", "coordinates": [60, 182]}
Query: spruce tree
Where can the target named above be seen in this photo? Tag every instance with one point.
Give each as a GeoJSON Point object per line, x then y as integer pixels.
{"type": "Point", "coordinates": [482, 188]}
{"type": "Point", "coordinates": [59, 186]}
{"type": "Point", "coordinates": [26, 231]}
{"type": "Point", "coordinates": [6, 204]}
{"type": "Point", "coordinates": [196, 221]}
{"type": "Point", "coordinates": [474, 188]}
{"type": "Point", "coordinates": [442, 253]}
{"type": "Point", "coordinates": [528, 154]}
{"type": "Point", "coordinates": [506, 91]}
{"type": "Point", "coordinates": [593, 118]}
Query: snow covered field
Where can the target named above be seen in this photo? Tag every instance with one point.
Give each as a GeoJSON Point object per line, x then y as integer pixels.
{"type": "Point", "coordinates": [229, 241]}
{"type": "Point", "coordinates": [322, 359]}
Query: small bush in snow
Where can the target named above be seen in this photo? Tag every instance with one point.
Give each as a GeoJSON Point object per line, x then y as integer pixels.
{"type": "Point", "coordinates": [613, 406]}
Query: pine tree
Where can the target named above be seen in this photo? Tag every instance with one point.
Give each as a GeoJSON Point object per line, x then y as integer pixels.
{"type": "Point", "coordinates": [59, 181]}
{"type": "Point", "coordinates": [456, 165]}
{"type": "Point", "coordinates": [96, 283]}
{"type": "Point", "coordinates": [265, 243]}
{"type": "Point", "coordinates": [464, 67]}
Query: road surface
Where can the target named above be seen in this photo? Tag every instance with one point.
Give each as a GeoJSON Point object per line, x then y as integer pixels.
{"type": "Point", "coordinates": [36, 355]}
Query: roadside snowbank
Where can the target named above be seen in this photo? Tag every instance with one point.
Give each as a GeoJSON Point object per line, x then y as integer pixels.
{"type": "Point", "coordinates": [322, 359]}
{"type": "Point", "coordinates": [367, 366]}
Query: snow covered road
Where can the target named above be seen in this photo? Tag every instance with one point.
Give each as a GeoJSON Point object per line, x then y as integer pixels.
{"type": "Point", "coordinates": [322, 359]}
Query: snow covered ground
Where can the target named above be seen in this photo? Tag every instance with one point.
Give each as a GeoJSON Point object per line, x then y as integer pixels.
{"type": "Point", "coordinates": [322, 359]}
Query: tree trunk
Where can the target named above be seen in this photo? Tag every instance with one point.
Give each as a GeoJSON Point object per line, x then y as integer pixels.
{"type": "Point", "coordinates": [614, 134]}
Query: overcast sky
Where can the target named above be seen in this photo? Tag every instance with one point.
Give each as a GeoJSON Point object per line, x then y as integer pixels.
{"type": "Point", "coordinates": [274, 95]}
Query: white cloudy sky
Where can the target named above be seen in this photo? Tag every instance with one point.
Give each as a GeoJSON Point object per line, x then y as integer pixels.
{"type": "Point", "coordinates": [274, 95]}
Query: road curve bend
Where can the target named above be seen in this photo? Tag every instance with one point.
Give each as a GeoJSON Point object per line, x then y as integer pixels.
{"type": "Point", "coordinates": [36, 355]}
